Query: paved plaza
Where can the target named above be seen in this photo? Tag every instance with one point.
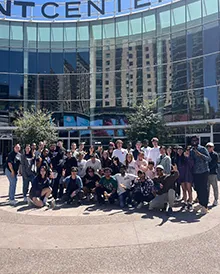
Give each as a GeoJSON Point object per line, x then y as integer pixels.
{"type": "Point", "coordinates": [91, 239]}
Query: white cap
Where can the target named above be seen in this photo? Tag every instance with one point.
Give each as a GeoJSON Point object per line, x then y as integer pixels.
{"type": "Point", "coordinates": [160, 167]}
{"type": "Point", "coordinates": [210, 144]}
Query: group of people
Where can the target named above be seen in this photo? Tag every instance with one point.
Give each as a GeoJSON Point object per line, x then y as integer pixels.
{"type": "Point", "coordinates": [127, 176]}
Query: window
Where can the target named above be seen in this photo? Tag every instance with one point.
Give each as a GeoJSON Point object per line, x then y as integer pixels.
{"type": "Point", "coordinates": [107, 63]}
{"type": "Point", "coordinates": [149, 23]}
{"type": "Point", "coordinates": [130, 55]}
{"type": "Point", "coordinates": [148, 76]}
{"type": "Point", "coordinates": [107, 55]}
{"type": "Point", "coordinates": [147, 56]}
{"type": "Point", "coordinates": [130, 48]}
{"type": "Point", "coordinates": [131, 76]}
{"type": "Point", "coordinates": [107, 103]}
{"type": "Point", "coordinates": [16, 35]}
{"type": "Point", "coordinates": [149, 90]}
{"type": "Point", "coordinates": [130, 63]}
{"type": "Point", "coordinates": [149, 83]}
{"type": "Point", "coordinates": [148, 63]}
{"type": "Point", "coordinates": [147, 48]}
{"type": "Point", "coordinates": [107, 82]}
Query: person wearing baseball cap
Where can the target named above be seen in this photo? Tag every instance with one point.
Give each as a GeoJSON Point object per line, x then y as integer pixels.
{"type": "Point", "coordinates": [120, 152]}
{"type": "Point", "coordinates": [154, 153]}
{"type": "Point", "coordinates": [164, 188]}
{"type": "Point", "coordinates": [213, 167]}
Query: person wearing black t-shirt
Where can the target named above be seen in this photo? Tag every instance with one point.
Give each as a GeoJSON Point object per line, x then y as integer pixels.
{"type": "Point", "coordinates": [11, 171]}
{"type": "Point", "coordinates": [69, 163]}
{"type": "Point", "coordinates": [90, 181]}
{"type": "Point", "coordinates": [41, 189]}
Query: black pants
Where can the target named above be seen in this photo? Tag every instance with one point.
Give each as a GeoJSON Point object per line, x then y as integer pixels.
{"type": "Point", "coordinates": [100, 193]}
{"type": "Point", "coordinates": [201, 187]}
{"type": "Point", "coordinates": [140, 198]}
{"type": "Point", "coordinates": [57, 186]}
{"type": "Point", "coordinates": [177, 188]}
{"type": "Point", "coordinates": [67, 197]}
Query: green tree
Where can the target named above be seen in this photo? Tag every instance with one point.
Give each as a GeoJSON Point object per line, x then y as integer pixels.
{"type": "Point", "coordinates": [146, 123]}
{"type": "Point", "coordinates": [35, 126]}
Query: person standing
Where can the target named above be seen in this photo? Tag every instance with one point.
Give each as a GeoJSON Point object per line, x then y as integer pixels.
{"type": "Point", "coordinates": [164, 160]}
{"type": "Point", "coordinates": [185, 164]}
{"type": "Point", "coordinates": [201, 158]}
{"type": "Point", "coordinates": [213, 167]}
{"type": "Point", "coordinates": [27, 162]}
{"type": "Point", "coordinates": [146, 149]}
{"type": "Point", "coordinates": [69, 163]}
{"type": "Point", "coordinates": [154, 153]}
{"type": "Point", "coordinates": [11, 171]}
{"type": "Point", "coordinates": [94, 163]}
{"type": "Point", "coordinates": [137, 150]}
{"type": "Point", "coordinates": [120, 152]}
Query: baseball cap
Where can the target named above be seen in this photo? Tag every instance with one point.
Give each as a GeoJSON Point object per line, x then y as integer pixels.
{"type": "Point", "coordinates": [74, 169]}
{"type": "Point", "coordinates": [155, 139]}
{"type": "Point", "coordinates": [160, 167]}
{"type": "Point", "coordinates": [210, 144]}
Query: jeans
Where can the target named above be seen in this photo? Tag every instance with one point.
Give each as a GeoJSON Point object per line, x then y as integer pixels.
{"type": "Point", "coordinates": [201, 186]}
{"type": "Point", "coordinates": [26, 182]}
{"type": "Point", "coordinates": [160, 200]}
{"type": "Point", "coordinates": [125, 197]}
{"type": "Point", "coordinates": [12, 184]}
{"type": "Point", "coordinates": [140, 198]}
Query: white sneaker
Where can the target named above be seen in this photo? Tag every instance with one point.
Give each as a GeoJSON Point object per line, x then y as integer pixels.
{"type": "Point", "coordinates": [25, 199]}
{"type": "Point", "coordinates": [13, 202]}
{"type": "Point", "coordinates": [139, 206]}
{"type": "Point", "coordinates": [215, 203]}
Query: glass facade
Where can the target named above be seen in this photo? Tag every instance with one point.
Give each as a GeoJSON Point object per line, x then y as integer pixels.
{"type": "Point", "coordinates": [92, 73]}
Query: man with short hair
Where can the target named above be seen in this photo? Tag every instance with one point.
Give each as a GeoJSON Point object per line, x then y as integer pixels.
{"type": "Point", "coordinates": [120, 152]}
{"type": "Point", "coordinates": [107, 187]}
{"type": "Point", "coordinates": [94, 163]}
{"type": "Point", "coordinates": [74, 150]}
{"type": "Point", "coordinates": [137, 149]}
{"type": "Point", "coordinates": [154, 153]}
{"type": "Point", "coordinates": [81, 164]}
{"type": "Point", "coordinates": [164, 160]}
{"type": "Point", "coordinates": [74, 187]}
{"type": "Point", "coordinates": [70, 161]}
{"type": "Point", "coordinates": [11, 171]}
{"type": "Point", "coordinates": [201, 158]}
{"type": "Point", "coordinates": [213, 167]}
{"type": "Point", "coordinates": [164, 188]}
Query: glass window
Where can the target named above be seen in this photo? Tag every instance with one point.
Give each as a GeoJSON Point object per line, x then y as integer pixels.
{"type": "Point", "coordinates": [210, 8]}
{"type": "Point", "coordinates": [178, 17]}
{"type": "Point", "coordinates": [16, 35]}
{"type": "Point", "coordinates": [43, 36]}
{"type": "Point", "coordinates": [135, 26]}
{"type": "Point", "coordinates": [194, 12]}
{"type": "Point", "coordinates": [4, 57]}
{"type": "Point", "coordinates": [31, 33]}
{"type": "Point", "coordinates": [43, 64]}
{"type": "Point", "coordinates": [122, 27]}
{"type": "Point", "coordinates": [164, 21]}
{"type": "Point", "coordinates": [109, 30]}
{"type": "Point", "coordinates": [57, 36]}
{"type": "Point", "coordinates": [16, 61]}
{"type": "Point", "coordinates": [96, 32]}
{"type": "Point", "coordinates": [149, 23]}
{"type": "Point", "coordinates": [4, 34]}
{"type": "Point", "coordinates": [57, 62]}
{"type": "Point", "coordinates": [69, 35]}
{"type": "Point", "coordinates": [82, 33]}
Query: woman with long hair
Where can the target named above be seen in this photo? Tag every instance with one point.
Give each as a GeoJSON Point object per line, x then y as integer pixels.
{"type": "Point", "coordinates": [106, 160]}
{"type": "Point", "coordinates": [130, 164]}
{"type": "Point", "coordinates": [184, 164]}
{"type": "Point", "coordinates": [116, 165]}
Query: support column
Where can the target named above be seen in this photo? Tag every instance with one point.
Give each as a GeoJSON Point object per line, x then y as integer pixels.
{"type": "Point", "coordinates": [211, 137]}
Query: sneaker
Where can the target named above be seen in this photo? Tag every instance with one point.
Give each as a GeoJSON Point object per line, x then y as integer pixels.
{"type": "Point", "coordinates": [139, 206]}
{"type": "Point", "coordinates": [190, 207]}
{"type": "Point", "coordinates": [47, 204]}
{"type": "Point", "coordinates": [29, 201]}
{"type": "Point", "coordinates": [177, 198]}
{"type": "Point", "coordinates": [13, 202]}
{"type": "Point", "coordinates": [25, 200]}
{"type": "Point", "coordinates": [184, 207]}
{"type": "Point", "coordinates": [53, 203]}
{"type": "Point", "coordinates": [197, 208]}
{"type": "Point", "coordinates": [204, 211]}
{"type": "Point", "coordinates": [215, 203]}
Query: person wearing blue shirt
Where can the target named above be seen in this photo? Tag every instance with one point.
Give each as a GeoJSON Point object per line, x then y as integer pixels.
{"type": "Point", "coordinates": [201, 158]}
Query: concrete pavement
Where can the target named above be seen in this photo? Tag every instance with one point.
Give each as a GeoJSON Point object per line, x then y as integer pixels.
{"type": "Point", "coordinates": [88, 239]}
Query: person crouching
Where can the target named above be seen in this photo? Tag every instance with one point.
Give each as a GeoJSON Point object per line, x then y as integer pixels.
{"type": "Point", "coordinates": [74, 187]}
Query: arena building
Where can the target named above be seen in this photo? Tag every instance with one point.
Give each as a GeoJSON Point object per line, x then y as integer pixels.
{"type": "Point", "coordinates": [91, 62]}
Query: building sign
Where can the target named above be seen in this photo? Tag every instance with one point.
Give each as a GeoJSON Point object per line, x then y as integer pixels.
{"type": "Point", "coordinates": [70, 9]}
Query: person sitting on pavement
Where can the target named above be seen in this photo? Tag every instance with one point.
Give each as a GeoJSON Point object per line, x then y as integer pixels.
{"type": "Point", "coordinates": [107, 188]}
{"type": "Point", "coordinates": [125, 182]}
{"type": "Point", "coordinates": [90, 180]}
{"type": "Point", "coordinates": [143, 190]}
{"type": "Point", "coordinates": [165, 189]}
{"type": "Point", "coordinates": [40, 190]}
{"type": "Point", "coordinates": [74, 187]}
{"type": "Point", "coordinates": [94, 163]}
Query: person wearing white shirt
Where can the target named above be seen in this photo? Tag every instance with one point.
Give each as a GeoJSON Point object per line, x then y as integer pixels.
{"type": "Point", "coordinates": [120, 152]}
{"type": "Point", "coordinates": [125, 181]}
{"type": "Point", "coordinates": [94, 163]}
{"type": "Point", "coordinates": [146, 149]}
{"type": "Point", "coordinates": [154, 153]}
{"type": "Point", "coordinates": [130, 164]}
{"type": "Point", "coordinates": [81, 163]}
